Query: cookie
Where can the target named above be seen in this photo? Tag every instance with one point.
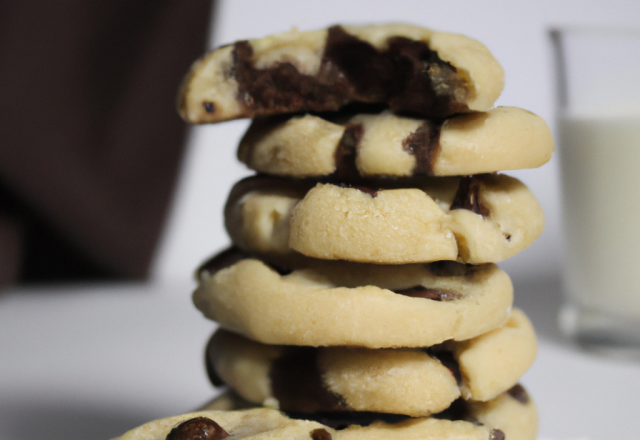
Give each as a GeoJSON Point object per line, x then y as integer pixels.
{"type": "Point", "coordinates": [384, 144]}
{"type": "Point", "coordinates": [259, 423]}
{"type": "Point", "coordinates": [409, 68]}
{"type": "Point", "coordinates": [348, 304]}
{"type": "Point", "coordinates": [512, 416]}
{"type": "Point", "coordinates": [477, 219]}
{"type": "Point", "coordinates": [414, 382]}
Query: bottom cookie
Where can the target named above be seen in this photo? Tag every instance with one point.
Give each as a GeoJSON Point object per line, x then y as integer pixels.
{"type": "Point", "coordinates": [510, 416]}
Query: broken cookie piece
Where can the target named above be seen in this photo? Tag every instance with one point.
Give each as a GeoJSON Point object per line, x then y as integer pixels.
{"type": "Point", "coordinates": [411, 69]}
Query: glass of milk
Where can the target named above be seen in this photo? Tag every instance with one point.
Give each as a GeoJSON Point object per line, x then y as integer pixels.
{"type": "Point", "coordinates": [598, 89]}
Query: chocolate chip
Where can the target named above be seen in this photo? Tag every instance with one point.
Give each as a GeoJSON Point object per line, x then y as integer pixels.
{"type": "Point", "coordinates": [519, 393]}
{"type": "Point", "coordinates": [496, 434]}
{"type": "Point", "coordinates": [198, 428]}
{"type": "Point", "coordinates": [447, 359]}
{"type": "Point", "coordinates": [320, 434]}
{"type": "Point", "coordinates": [468, 196]}
{"type": "Point", "coordinates": [458, 410]}
{"type": "Point", "coordinates": [209, 107]}
{"type": "Point", "coordinates": [345, 155]}
{"type": "Point", "coordinates": [423, 144]}
{"type": "Point", "coordinates": [297, 383]}
{"type": "Point", "coordinates": [507, 236]}
{"type": "Point", "coordinates": [429, 293]}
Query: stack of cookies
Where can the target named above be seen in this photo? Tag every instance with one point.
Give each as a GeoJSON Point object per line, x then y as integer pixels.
{"type": "Point", "coordinates": [361, 298]}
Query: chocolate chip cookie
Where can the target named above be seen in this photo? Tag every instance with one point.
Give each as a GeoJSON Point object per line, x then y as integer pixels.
{"type": "Point", "coordinates": [408, 68]}
{"type": "Point", "coordinates": [385, 144]}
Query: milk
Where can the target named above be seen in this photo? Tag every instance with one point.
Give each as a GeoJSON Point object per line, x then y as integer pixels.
{"type": "Point", "coordinates": [600, 157]}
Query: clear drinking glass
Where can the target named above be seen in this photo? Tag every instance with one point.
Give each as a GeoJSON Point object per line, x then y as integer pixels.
{"type": "Point", "coordinates": [598, 86]}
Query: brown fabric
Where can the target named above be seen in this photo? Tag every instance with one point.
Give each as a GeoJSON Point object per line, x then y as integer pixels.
{"type": "Point", "coordinates": [90, 142]}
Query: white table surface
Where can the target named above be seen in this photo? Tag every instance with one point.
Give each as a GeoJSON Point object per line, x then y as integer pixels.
{"type": "Point", "coordinates": [90, 362]}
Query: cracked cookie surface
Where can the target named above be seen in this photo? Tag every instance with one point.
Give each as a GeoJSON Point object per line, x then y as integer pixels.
{"type": "Point", "coordinates": [477, 219]}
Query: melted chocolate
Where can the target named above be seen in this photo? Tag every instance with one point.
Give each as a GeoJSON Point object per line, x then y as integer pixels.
{"type": "Point", "coordinates": [458, 410]}
{"type": "Point", "coordinates": [320, 434]}
{"type": "Point", "coordinates": [496, 434]}
{"type": "Point", "coordinates": [296, 382]}
{"type": "Point", "coordinates": [345, 156]}
{"type": "Point", "coordinates": [281, 88]}
{"type": "Point", "coordinates": [423, 144]}
{"type": "Point", "coordinates": [428, 293]}
{"type": "Point", "coordinates": [468, 197]}
{"type": "Point", "coordinates": [519, 393]}
{"type": "Point", "coordinates": [447, 359]}
{"type": "Point", "coordinates": [408, 76]}
{"type": "Point", "coordinates": [198, 428]}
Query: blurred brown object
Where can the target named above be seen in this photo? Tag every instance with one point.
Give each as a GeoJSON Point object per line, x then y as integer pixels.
{"type": "Point", "coordinates": [90, 142]}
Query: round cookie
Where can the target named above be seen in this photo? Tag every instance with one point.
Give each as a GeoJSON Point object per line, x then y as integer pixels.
{"type": "Point", "coordinates": [325, 303]}
{"type": "Point", "coordinates": [259, 423]}
{"type": "Point", "coordinates": [476, 219]}
{"type": "Point", "coordinates": [411, 69]}
{"type": "Point", "coordinates": [512, 416]}
{"type": "Point", "coordinates": [414, 382]}
{"type": "Point", "coordinates": [384, 144]}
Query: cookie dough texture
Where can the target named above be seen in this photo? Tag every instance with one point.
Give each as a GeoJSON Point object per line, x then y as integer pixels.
{"type": "Point", "coordinates": [259, 423]}
{"type": "Point", "coordinates": [337, 303]}
{"type": "Point", "coordinates": [478, 219]}
{"type": "Point", "coordinates": [413, 382]}
{"type": "Point", "coordinates": [326, 69]}
{"type": "Point", "coordinates": [384, 144]}
{"type": "Point", "coordinates": [503, 417]}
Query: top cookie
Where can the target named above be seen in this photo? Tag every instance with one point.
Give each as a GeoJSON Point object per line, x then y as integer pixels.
{"type": "Point", "coordinates": [409, 68]}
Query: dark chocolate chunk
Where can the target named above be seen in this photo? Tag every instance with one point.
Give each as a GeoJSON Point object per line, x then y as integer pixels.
{"type": "Point", "coordinates": [345, 156]}
{"type": "Point", "coordinates": [198, 428]}
{"type": "Point", "coordinates": [496, 434]}
{"type": "Point", "coordinates": [447, 359]}
{"type": "Point", "coordinates": [320, 434]}
{"type": "Point", "coordinates": [408, 76]}
{"type": "Point", "coordinates": [458, 410]}
{"type": "Point", "coordinates": [423, 144]}
{"type": "Point", "coordinates": [468, 197]}
{"type": "Point", "coordinates": [226, 258]}
{"type": "Point", "coordinates": [519, 393]}
{"type": "Point", "coordinates": [430, 86]}
{"type": "Point", "coordinates": [209, 107]}
{"type": "Point", "coordinates": [370, 72]}
{"type": "Point", "coordinates": [297, 383]}
{"type": "Point", "coordinates": [282, 88]}
{"type": "Point", "coordinates": [428, 293]}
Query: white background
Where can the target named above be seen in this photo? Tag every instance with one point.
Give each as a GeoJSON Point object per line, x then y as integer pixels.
{"type": "Point", "coordinates": [516, 32]}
